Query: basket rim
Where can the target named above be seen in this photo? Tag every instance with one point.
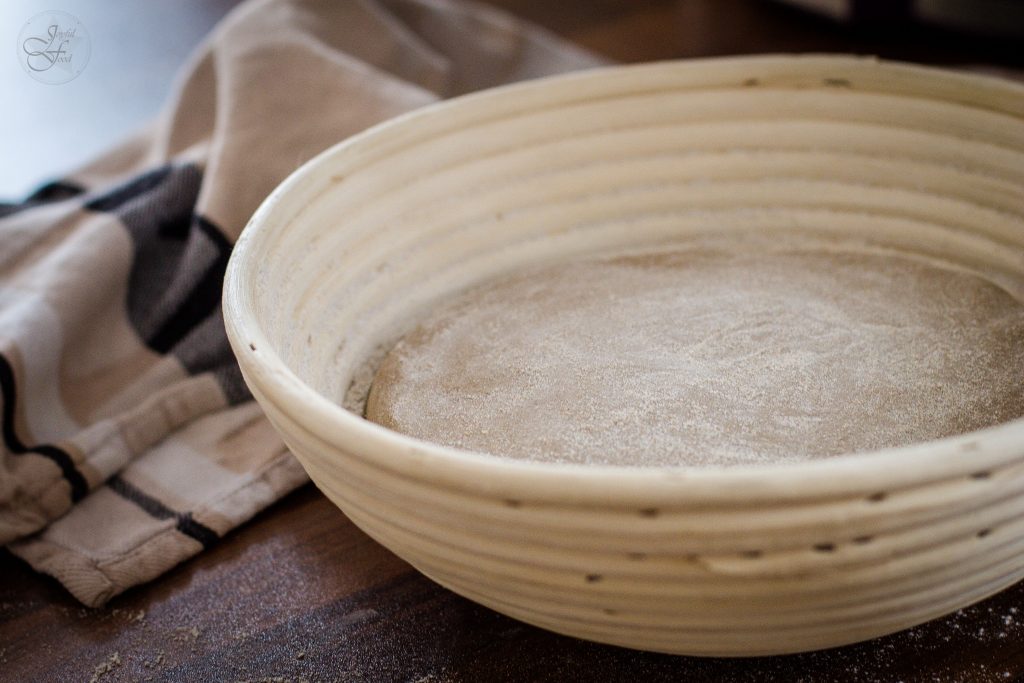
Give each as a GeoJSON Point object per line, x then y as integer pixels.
{"type": "Point", "coordinates": [859, 473]}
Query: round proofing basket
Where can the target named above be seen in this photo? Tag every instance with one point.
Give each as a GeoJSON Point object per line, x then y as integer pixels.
{"type": "Point", "coordinates": [346, 253]}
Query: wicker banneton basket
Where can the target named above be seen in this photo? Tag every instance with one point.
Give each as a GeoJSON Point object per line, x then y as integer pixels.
{"type": "Point", "coordinates": [345, 254]}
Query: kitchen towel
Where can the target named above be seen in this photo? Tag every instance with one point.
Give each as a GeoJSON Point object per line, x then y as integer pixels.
{"type": "Point", "coordinates": [130, 442]}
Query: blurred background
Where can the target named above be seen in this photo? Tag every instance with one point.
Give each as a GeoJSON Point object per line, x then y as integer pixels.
{"type": "Point", "coordinates": [136, 49]}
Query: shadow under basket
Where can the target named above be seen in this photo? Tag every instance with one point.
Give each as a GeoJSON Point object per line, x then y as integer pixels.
{"type": "Point", "coordinates": [351, 249]}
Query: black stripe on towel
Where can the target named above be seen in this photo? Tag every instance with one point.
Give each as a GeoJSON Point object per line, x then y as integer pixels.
{"type": "Point", "coordinates": [184, 522]}
{"type": "Point", "coordinates": [202, 297]}
{"type": "Point", "coordinates": [54, 191]}
{"type": "Point", "coordinates": [130, 190]}
{"type": "Point", "coordinates": [8, 394]}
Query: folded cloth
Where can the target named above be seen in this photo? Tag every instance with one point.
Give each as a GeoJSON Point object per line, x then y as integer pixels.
{"type": "Point", "coordinates": [130, 442]}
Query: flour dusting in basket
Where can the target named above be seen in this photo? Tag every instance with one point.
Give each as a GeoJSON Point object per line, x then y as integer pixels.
{"type": "Point", "coordinates": [726, 349]}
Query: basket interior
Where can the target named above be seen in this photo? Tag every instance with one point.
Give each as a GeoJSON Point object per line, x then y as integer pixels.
{"type": "Point", "coordinates": [395, 220]}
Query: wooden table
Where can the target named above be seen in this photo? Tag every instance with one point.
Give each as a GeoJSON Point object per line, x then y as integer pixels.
{"type": "Point", "coordinates": [301, 594]}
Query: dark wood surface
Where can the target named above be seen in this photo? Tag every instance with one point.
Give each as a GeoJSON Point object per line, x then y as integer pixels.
{"type": "Point", "coordinates": [300, 594]}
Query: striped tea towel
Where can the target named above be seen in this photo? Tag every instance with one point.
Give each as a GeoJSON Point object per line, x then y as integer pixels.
{"type": "Point", "coordinates": [130, 442]}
